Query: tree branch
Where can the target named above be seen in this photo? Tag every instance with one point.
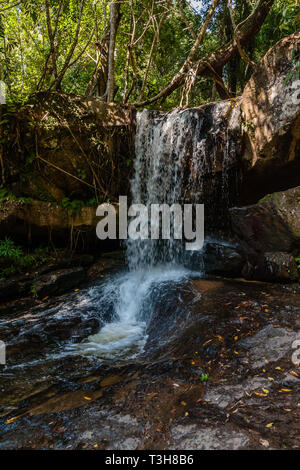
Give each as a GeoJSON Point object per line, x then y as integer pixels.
{"type": "Point", "coordinates": [218, 59]}
{"type": "Point", "coordinates": [179, 77]}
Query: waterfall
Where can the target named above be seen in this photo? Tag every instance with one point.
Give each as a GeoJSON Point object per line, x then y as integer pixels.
{"type": "Point", "coordinates": [174, 153]}
{"type": "Point", "coordinates": [158, 179]}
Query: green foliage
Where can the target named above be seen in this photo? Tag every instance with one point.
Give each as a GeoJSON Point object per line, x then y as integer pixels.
{"type": "Point", "coordinates": [73, 207]}
{"type": "Point", "coordinates": [9, 250]}
{"type": "Point", "coordinates": [204, 377]}
{"type": "Point", "coordinates": [25, 45]}
{"type": "Point", "coordinates": [298, 262]}
{"type": "Point", "coordinates": [33, 290]}
{"type": "Point", "coordinates": [13, 260]}
{"type": "Point", "coordinates": [5, 195]}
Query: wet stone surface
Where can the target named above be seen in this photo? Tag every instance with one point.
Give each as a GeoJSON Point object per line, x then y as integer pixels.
{"type": "Point", "coordinates": [239, 333]}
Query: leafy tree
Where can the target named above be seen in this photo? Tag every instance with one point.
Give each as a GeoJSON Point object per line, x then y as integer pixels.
{"type": "Point", "coordinates": [151, 53]}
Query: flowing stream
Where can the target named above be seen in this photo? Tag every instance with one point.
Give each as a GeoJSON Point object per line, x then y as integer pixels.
{"type": "Point", "coordinates": [154, 265]}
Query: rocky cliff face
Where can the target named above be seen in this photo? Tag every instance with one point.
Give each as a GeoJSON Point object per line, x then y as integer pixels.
{"type": "Point", "coordinates": [269, 232]}
{"type": "Point", "coordinates": [60, 146]}
{"type": "Point", "coordinates": [271, 122]}
{"type": "Point", "coordinates": [64, 154]}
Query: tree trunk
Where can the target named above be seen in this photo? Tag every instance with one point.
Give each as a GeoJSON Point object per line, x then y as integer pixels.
{"type": "Point", "coordinates": [114, 23]}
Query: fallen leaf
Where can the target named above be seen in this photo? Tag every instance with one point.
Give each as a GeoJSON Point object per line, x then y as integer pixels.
{"type": "Point", "coordinates": [285, 390]}
{"type": "Point", "coordinates": [292, 372]}
{"type": "Point", "coordinates": [261, 394]}
{"type": "Point", "coordinates": [183, 403]}
{"type": "Point", "coordinates": [11, 420]}
{"type": "Point", "coordinates": [264, 443]}
{"type": "Point", "coordinates": [269, 425]}
{"type": "Point", "coordinates": [87, 398]}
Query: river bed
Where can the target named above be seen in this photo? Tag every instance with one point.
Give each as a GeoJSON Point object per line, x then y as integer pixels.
{"type": "Point", "coordinates": [208, 364]}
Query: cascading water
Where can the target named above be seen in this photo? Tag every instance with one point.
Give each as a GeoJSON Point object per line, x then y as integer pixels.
{"type": "Point", "coordinates": [168, 145]}
{"type": "Point", "coordinates": [158, 179]}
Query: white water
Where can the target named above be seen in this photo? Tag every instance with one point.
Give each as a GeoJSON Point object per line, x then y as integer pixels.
{"type": "Point", "coordinates": [161, 141]}
{"type": "Point", "coordinates": [130, 295]}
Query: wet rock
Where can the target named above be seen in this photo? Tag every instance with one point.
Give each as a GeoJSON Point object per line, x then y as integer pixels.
{"type": "Point", "coordinates": [289, 380]}
{"type": "Point", "coordinates": [34, 333]}
{"type": "Point", "coordinates": [273, 224]}
{"type": "Point", "coordinates": [59, 282]}
{"type": "Point", "coordinates": [224, 395]}
{"type": "Point", "coordinates": [271, 117]}
{"type": "Point", "coordinates": [118, 431]}
{"type": "Point", "coordinates": [277, 267]}
{"type": "Point", "coordinates": [222, 259]}
{"type": "Point", "coordinates": [12, 289]}
{"type": "Point", "coordinates": [269, 344]}
{"type": "Point", "coordinates": [192, 437]}
{"type": "Point", "coordinates": [108, 263]}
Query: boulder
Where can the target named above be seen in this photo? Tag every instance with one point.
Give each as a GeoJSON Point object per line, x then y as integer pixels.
{"type": "Point", "coordinates": [59, 282]}
{"type": "Point", "coordinates": [271, 121]}
{"type": "Point", "coordinates": [277, 266]}
{"type": "Point", "coordinates": [14, 288]}
{"type": "Point", "coordinates": [223, 258]}
{"type": "Point", "coordinates": [271, 225]}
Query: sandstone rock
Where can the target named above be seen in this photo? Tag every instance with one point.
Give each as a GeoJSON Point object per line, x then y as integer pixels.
{"type": "Point", "coordinates": [14, 288]}
{"type": "Point", "coordinates": [77, 141]}
{"type": "Point", "coordinates": [269, 344]}
{"type": "Point", "coordinates": [271, 116]}
{"type": "Point", "coordinates": [59, 282]}
{"type": "Point", "coordinates": [273, 224]}
{"type": "Point", "coordinates": [222, 258]}
{"type": "Point", "coordinates": [193, 437]}
{"type": "Point", "coordinates": [277, 267]}
{"type": "Point", "coordinates": [39, 220]}
{"type": "Point", "coordinates": [222, 396]}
